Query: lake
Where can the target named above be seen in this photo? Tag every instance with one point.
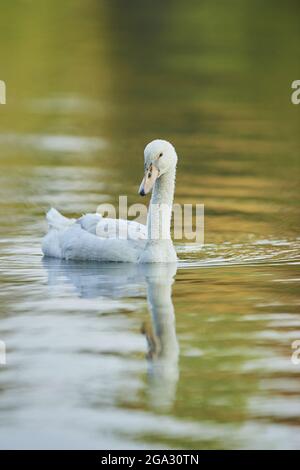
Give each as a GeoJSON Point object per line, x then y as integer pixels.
{"type": "Point", "coordinates": [111, 356]}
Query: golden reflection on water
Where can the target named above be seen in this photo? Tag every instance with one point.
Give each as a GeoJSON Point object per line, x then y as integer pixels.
{"type": "Point", "coordinates": [88, 84]}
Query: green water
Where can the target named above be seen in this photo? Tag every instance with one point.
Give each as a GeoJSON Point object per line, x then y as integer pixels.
{"type": "Point", "coordinates": [89, 83]}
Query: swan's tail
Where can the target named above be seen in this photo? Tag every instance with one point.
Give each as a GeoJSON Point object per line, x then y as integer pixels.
{"type": "Point", "coordinates": [58, 221]}
{"type": "Point", "coordinates": [51, 245]}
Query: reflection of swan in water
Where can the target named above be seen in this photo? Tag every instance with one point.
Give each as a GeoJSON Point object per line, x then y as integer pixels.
{"type": "Point", "coordinates": [117, 280]}
{"type": "Point", "coordinates": [163, 346]}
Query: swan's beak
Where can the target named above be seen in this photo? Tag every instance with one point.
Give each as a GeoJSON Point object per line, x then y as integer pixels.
{"type": "Point", "coordinates": [149, 179]}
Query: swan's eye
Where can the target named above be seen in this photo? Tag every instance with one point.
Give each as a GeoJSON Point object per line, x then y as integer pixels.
{"type": "Point", "coordinates": [160, 155]}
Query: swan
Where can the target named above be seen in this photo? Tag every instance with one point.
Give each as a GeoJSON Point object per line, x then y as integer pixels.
{"type": "Point", "coordinates": [92, 237]}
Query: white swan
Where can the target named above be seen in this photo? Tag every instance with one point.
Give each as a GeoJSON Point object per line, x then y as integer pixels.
{"type": "Point", "coordinates": [94, 238]}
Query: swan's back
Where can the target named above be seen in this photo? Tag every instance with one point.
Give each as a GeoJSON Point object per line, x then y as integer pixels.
{"type": "Point", "coordinates": [77, 239]}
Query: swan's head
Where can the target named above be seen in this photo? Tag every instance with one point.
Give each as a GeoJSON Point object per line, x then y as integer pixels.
{"type": "Point", "coordinates": [160, 157]}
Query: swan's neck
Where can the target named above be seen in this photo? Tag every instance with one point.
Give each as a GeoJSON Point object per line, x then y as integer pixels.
{"type": "Point", "coordinates": [160, 209]}
{"type": "Point", "coordinates": [159, 294]}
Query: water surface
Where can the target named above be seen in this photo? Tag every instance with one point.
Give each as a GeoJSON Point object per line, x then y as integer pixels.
{"type": "Point", "coordinates": [108, 356]}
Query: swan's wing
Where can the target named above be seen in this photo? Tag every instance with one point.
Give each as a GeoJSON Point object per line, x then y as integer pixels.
{"type": "Point", "coordinates": [79, 244]}
{"type": "Point", "coordinates": [89, 222]}
{"type": "Point", "coordinates": [121, 229]}
{"type": "Point", "coordinates": [113, 228]}
{"type": "Point", "coordinates": [76, 243]}
{"type": "Point", "coordinates": [56, 220]}
{"type": "Point", "coordinates": [88, 239]}
{"type": "Point", "coordinates": [102, 227]}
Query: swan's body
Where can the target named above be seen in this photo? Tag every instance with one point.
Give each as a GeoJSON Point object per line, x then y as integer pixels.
{"type": "Point", "coordinates": [92, 237]}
